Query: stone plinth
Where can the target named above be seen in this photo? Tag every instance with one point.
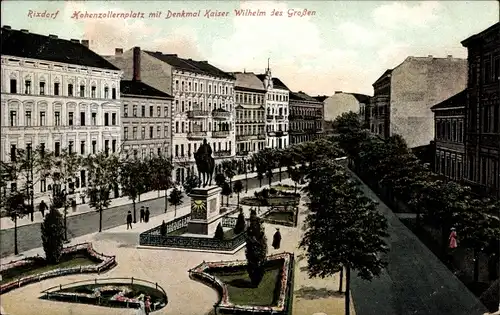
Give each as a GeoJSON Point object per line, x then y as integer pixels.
{"type": "Point", "coordinates": [205, 210]}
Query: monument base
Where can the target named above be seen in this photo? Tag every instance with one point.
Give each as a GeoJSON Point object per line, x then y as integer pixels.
{"type": "Point", "coordinates": [205, 210]}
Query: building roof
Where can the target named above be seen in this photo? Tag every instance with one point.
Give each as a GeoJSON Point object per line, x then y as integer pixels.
{"type": "Point", "coordinates": [494, 28]}
{"type": "Point", "coordinates": [321, 98]}
{"type": "Point", "coordinates": [362, 98]}
{"type": "Point", "coordinates": [201, 67]}
{"type": "Point", "coordinates": [50, 48]}
{"type": "Point", "coordinates": [301, 96]}
{"type": "Point", "coordinates": [138, 88]}
{"type": "Point", "coordinates": [248, 80]}
{"type": "Point", "coordinates": [457, 100]}
{"type": "Point", "coordinates": [277, 83]}
{"type": "Point", "coordinates": [386, 73]}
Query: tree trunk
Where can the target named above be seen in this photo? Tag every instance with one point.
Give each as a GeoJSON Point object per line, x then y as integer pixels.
{"type": "Point", "coordinates": [133, 205]}
{"type": "Point", "coordinates": [260, 182]}
{"type": "Point", "coordinates": [65, 222]}
{"type": "Point", "coordinates": [280, 173]}
{"type": "Point", "coordinates": [238, 199]}
{"type": "Point", "coordinates": [227, 201]}
{"type": "Point", "coordinates": [166, 201]}
{"type": "Point", "coordinates": [341, 279]}
{"type": "Point", "coordinates": [295, 187]}
{"type": "Point", "coordinates": [175, 211]}
{"type": "Point", "coordinates": [16, 251]}
{"type": "Point", "coordinates": [100, 219]}
{"type": "Point", "coordinates": [158, 193]}
{"type": "Point", "coordinates": [347, 290]}
{"type": "Point", "coordinates": [476, 265]}
{"type": "Point", "coordinates": [246, 181]}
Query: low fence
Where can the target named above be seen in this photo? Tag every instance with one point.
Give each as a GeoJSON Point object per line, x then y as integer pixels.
{"type": "Point", "coordinates": [294, 210]}
{"type": "Point", "coordinates": [51, 293]}
{"type": "Point", "coordinates": [107, 262]}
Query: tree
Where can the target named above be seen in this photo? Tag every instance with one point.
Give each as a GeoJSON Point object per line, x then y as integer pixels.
{"type": "Point", "coordinates": [220, 180]}
{"type": "Point", "coordinates": [229, 168]}
{"type": "Point", "coordinates": [103, 172]}
{"type": "Point", "coordinates": [53, 235]}
{"type": "Point", "coordinates": [192, 181]}
{"type": "Point", "coordinates": [16, 209]}
{"type": "Point", "coordinates": [133, 175]}
{"type": "Point", "coordinates": [295, 175]}
{"type": "Point", "coordinates": [227, 191]}
{"type": "Point", "coordinates": [238, 188]}
{"type": "Point", "coordinates": [175, 199]}
{"type": "Point", "coordinates": [256, 249]}
{"type": "Point", "coordinates": [240, 223]}
{"type": "Point", "coordinates": [219, 232]}
{"type": "Point", "coordinates": [161, 175]}
{"type": "Point", "coordinates": [344, 228]}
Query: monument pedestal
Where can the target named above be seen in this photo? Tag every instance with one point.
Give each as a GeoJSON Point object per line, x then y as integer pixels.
{"type": "Point", "coordinates": [205, 210]}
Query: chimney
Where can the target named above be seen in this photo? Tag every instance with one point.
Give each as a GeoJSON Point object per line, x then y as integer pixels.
{"type": "Point", "coordinates": [76, 41]}
{"type": "Point", "coordinates": [85, 42]}
{"type": "Point", "coordinates": [338, 92]}
{"type": "Point", "coordinates": [6, 27]}
{"type": "Point", "coordinates": [52, 36]}
{"type": "Point", "coordinates": [430, 56]}
{"type": "Point", "coordinates": [137, 64]}
{"type": "Point", "coordinates": [118, 51]}
{"type": "Point", "coordinates": [172, 55]}
{"type": "Point", "coordinates": [449, 56]}
{"type": "Point", "coordinates": [25, 31]}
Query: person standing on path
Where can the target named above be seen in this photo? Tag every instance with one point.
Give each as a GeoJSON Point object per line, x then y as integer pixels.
{"type": "Point", "coordinates": [141, 213]}
{"type": "Point", "coordinates": [147, 305]}
{"type": "Point", "coordinates": [129, 220]}
{"type": "Point", "coordinates": [42, 207]}
{"type": "Point", "coordinates": [146, 215]}
{"type": "Point", "coordinates": [277, 239]}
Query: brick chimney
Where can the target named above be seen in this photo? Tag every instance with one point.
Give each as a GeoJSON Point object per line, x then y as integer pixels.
{"type": "Point", "coordinates": [118, 51]}
{"type": "Point", "coordinates": [76, 41]}
{"type": "Point", "coordinates": [6, 27]}
{"type": "Point", "coordinates": [25, 31]}
{"type": "Point", "coordinates": [53, 36]}
{"type": "Point", "coordinates": [85, 42]}
{"type": "Point", "coordinates": [450, 56]}
{"type": "Point", "coordinates": [137, 64]}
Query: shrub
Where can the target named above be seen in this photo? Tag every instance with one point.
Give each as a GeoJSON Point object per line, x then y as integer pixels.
{"type": "Point", "coordinates": [163, 229]}
{"type": "Point", "coordinates": [240, 223]}
{"type": "Point", "coordinates": [53, 236]}
{"type": "Point", "coordinates": [265, 193]}
{"type": "Point", "coordinates": [256, 249]}
{"type": "Point", "coordinates": [273, 191]}
{"type": "Point", "coordinates": [219, 232]}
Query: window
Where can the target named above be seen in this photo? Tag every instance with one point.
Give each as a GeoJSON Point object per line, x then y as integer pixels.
{"type": "Point", "coordinates": [496, 70]}
{"type": "Point", "coordinates": [143, 111]}
{"type": "Point", "coordinates": [113, 119]}
{"type": "Point", "coordinates": [125, 110]}
{"type": "Point", "coordinates": [165, 132]}
{"type": "Point", "coordinates": [13, 151]}
{"type": "Point", "coordinates": [42, 88]}
{"type": "Point", "coordinates": [13, 86]}
{"type": "Point", "coordinates": [151, 136]}
{"type": "Point", "coordinates": [57, 148]}
{"type": "Point", "coordinates": [27, 87]}
{"type": "Point", "coordinates": [13, 118]}
{"type": "Point", "coordinates": [82, 90]}
{"type": "Point", "coordinates": [56, 88]}
{"type": "Point", "coordinates": [94, 145]}
{"type": "Point", "coordinates": [113, 92]}
{"type": "Point", "coordinates": [82, 118]}
{"type": "Point", "coordinates": [176, 150]}
{"type": "Point", "coordinates": [70, 118]}
{"type": "Point", "coordinates": [28, 118]}
{"type": "Point", "coordinates": [70, 89]}
{"type": "Point", "coordinates": [82, 147]}
{"type": "Point", "coordinates": [43, 186]}
{"type": "Point", "coordinates": [106, 92]}
{"type": "Point", "coordinates": [176, 127]}
{"type": "Point", "coordinates": [106, 119]}
{"type": "Point", "coordinates": [92, 91]}
{"type": "Point", "coordinates": [496, 118]}
{"type": "Point", "coordinates": [113, 146]}
{"type": "Point", "coordinates": [165, 111]}
{"type": "Point", "coordinates": [158, 132]}
{"type": "Point", "coordinates": [150, 111]}
{"type": "Point", "coordinates": [134, 112]}
{"type": "Point", "coordinates": [143, 132]}
{"type": "Point", "coordinates": [70, 147]}
{"type": "Point", "coordinates": [158, 111]}
{"type": "Point", "coordinates": [125, 133]}
{"type": "Point", "coordinates": [94, 119]}
{"type": "Point", "coordinates": [57, 118]}
{"type": "Point", "coordinates": [106, 147]}
{"type": "Point", "coordinates": [487, 69]}
{"type": "Point", "coordinates": [42, 119]}
{"type": "Point", "coordinates": [134, 133]}
{"type": "Point", "coordinates": [83, 178]}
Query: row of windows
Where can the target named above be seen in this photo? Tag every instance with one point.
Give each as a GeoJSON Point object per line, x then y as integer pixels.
{"type": "Point", "coordinates": [216, 146]}
{"type": "Point", "coordinates": [42, 89]}
{"type": "Point", "coordinates": [279, 143]}
{"type": "Point", "coordinates": [143, 111]}
{"type": "Point", "coordinates": [305, 112]}
{"type": "Point", "coordinates": [183, 106]}
{"type": "Point", "coordinates": [294, 139]}
{"type": "Point", "coordinates": [305, 125]}
{"type": "Point", "coordinates": [249, 130]}
{"type": "Point", "coordinates": [151, 134]}
{"type": "Point", "coordinates": [195, 87]}
{"type": "Point", "coordinates": [249, 98]}
{"type": "Point", "coordinates": [450, 130]}
{"type": "Point", "coordinates": [250, 147]}
{"type": "Point", "coordinates": [29, 120]}
{"type": "Point", "coordinates": [160, 151]}
{"type": "Point", "coordinates": [490, 118]}
{"type": "Point", "coordinates": [277, 127]}
{"type": "Point", "coordinates": [244, 114]}
{"type": "Point", "coordinates": [277, 97]}
{"type": "Point", "coordinates": [486, 172]}
{"type": "Point", "coordinates": [449, 165]}
{"type": "Point", "coordinates": [190, 126]}
{"type": "Point", "coordinates": [490, 70]}
{"type": "Point", "coordinates": [277, 111]}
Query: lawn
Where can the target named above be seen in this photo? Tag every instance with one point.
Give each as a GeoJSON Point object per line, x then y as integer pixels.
{"type": "Point", "coordinates": [67, 261]}
{"type": "Point", "coordinates": [283, 188]}
{"type": "Point", "coordinates": [242, 293]}
{"type": "Point", "coordinates": [271, 201]}
{"type": "Point", "coordinates": [280, 216]}
{"type": "Point", "coordinates": [136, 290]}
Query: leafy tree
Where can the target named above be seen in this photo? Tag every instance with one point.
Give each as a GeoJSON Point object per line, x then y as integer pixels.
{"type": "Point", "coordinates": [269, 175]}
{"type": "Point", "coordinates": [344, 228]}
{"type": "Point", "coordinates": [229, 168]}
{"type": "Point", "coordinates": [133, 175]}
{"type": "Point", "coordinates": [103, 172]}
{"type": "Point", "coordinates": [192, 181]}
{"type": "Point", "coordinates": [349, 133]}
{"type": "Point", "coordinates": [295, 175]}
{"type": "Point", "coordinates": [227, 191]}
{"type": "Point", "coordinates": [240, 223]}
{"type": "Point", "coordinates": [219, 232]}
{"type": "Point", "coordinates": [256, 249]}
{"type": "Point", "coordinates": [163, 229]}
{"type": "Point", "coordinates": [238, 188]}
{"type": "Point", "coordinates": [16, 208]}
{"type": "Point", "coordinates": [175, 199]}
{"type": "Point", "coordinates": [53, 236]}
{"type": "Point", "coordinates": [220, 180]}
{"type": "Point", "coordinates": [161, 175]}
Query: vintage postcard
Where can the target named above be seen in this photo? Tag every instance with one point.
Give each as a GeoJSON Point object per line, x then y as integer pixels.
{"type": "Point", "coordinates": [250, 157]}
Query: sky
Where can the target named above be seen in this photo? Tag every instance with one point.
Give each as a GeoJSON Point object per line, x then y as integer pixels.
{"type": "Point", "coordinates": [343, 46]}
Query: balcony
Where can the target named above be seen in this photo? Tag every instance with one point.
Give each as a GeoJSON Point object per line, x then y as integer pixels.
{"type": "Point", "coordinates": [220, 134]}
{"type": "Point", "coordinates": [193, 114]}
{"type": "Point", "coordinates": [224, 153]}
{"type": "Point", "coordinates": [270, 117]}
{"type": "Point", "coordinates": [220, 114]}
{"type": "Point", "coordinates": [280, 117]}
{"type": "Point", "coordinates": [197, 134]}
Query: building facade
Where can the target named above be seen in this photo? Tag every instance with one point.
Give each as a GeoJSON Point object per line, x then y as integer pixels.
{"type": "Point", "coordinates": [306, 118]}
{"type": "Point", "coordinates": [449, 127]}
{"type": "Point", "coordinates": [146, 120]}
{"type": "Point", "coordinates": [404, 95]}
{"type": "Point", "coordinates": [482, 111]}
{"type": "Point", "coordinates": [342, 102]}
{"type": "Point", "coordinates": [277, 110]}
{"type": "Point", "coordinates": [250, 97]}
{"type": "Point", "coordinates": [56, 99]}
{"type": "Point", "coordinates": [203, 106]}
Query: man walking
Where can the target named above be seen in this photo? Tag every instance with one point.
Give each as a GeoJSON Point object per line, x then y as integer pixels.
{"type": "Point", "coordinates": [42, 207]}
{"type": "Point", "coordinates": [146, 215]}
{"type": "Point", "coordinates": [141, 214]}
{"type": "Point", "coordinates": [129, 220]}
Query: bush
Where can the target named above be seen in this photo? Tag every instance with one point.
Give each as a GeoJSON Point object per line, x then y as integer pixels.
{"type": "Point", "coordinates": [256, 249]}
{"type": "Point", "coordinates": [53, 236]}
{"type": "Point", "coordinates": [163, 229]}
{"type": "Point", "coordinates": [219, 232]}
{"type": "Point", "coordinates": [273, 191]}
{"type": "Point", "coordinates": [240, 223]}
{"type": "Point", "coordinates": [265, 193]}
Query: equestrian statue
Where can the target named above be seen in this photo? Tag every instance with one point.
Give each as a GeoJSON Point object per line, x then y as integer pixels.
{"type": "Point", "coordinates": [205, 163]}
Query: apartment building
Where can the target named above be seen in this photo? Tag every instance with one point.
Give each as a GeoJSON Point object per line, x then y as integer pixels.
{"type": "Point", "coordinates": [58, 94]}
{"type": "Point", "coordinates": [306, 118]}
{"type": "Point", "coordinates": [342, 102]}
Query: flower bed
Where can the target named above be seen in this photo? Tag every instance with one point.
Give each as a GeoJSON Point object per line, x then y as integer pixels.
{"type": "Point", "coordinates": [202, 273]}
{"type": "Point", "coordinates": [286, 216]}
{"type": "Point", "coordinates": [106, 262]}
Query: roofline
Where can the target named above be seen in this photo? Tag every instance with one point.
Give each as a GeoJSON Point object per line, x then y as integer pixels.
{"type": "Point", "coordinates": [68, 64]}
{"type": "Point", "coordinates": [170, 98]}
{"type": "Point", "coordinates": [476, 36]}
{"type": "Point", "coordinates": [445, 108]}
{"type": "Point", "coordinates": [246, 89]}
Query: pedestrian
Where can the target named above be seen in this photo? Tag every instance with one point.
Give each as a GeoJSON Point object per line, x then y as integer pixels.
{"type": "Point", "coordinates": [453, 238]}
{"type": "Point", "coordinates": [129, 220]}
{"type": "Point", "coordinates": [146, 215]}
{"type": "Point", "coordinates": [42, 207]}
{"type": "Point", "coordinates": [141, 219]}
{"type": "Point", "coordinates": [277, 239]}
{"type": "Point", "coordinates": [147, 305]}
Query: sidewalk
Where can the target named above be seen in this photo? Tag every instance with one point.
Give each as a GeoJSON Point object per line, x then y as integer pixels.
{"type": "Point", "coordinates": [7, 223]}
